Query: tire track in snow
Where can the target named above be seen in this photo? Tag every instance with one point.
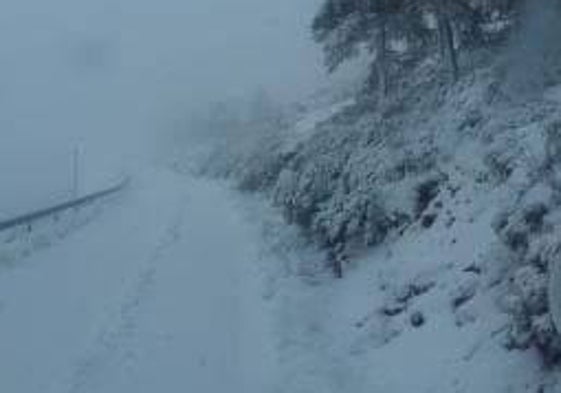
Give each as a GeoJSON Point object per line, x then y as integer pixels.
{"type": "Point", "coordinates": [112, 346]}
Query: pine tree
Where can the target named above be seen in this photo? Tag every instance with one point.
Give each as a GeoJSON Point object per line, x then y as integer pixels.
{"type": "Point", "coordinates": [346, 28]}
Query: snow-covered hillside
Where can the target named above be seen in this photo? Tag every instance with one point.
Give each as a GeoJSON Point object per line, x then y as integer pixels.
{"type": "Point", "coordinates": [441, 205]}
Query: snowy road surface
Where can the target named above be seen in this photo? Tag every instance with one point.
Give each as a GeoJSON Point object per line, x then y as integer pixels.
{"type": "Point", "coordinates": [158, 294]}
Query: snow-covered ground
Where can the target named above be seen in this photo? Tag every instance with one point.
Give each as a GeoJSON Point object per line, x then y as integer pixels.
{"type": "Point", "coordinates": [157, 294]}
{"type": "Point", "coordinates": [180, 284]}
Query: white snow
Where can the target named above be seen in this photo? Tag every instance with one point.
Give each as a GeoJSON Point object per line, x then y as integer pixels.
{"type": "Point", "coordinates": [334, 337]}
{"type": "Point", "coordinates": [158, 294]}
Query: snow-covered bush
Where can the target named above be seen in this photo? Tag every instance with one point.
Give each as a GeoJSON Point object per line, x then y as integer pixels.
{"type": "Point", "coordinates": [531, 231]}
{"type": "Point", "coordinates": [314, 178]}
{"type": "Point", "coordinates": [532, 325]}
{"type": "Point", "coordinates": [355, 180]}
{"type": "Point", "coordinates": [359, 217]}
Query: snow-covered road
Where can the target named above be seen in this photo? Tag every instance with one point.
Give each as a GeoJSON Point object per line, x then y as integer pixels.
{"type": "Point", "coordinates": [158, 294]}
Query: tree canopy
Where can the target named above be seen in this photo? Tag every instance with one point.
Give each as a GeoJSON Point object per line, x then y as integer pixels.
{"type": "Point", "coordinates": [347, 28]}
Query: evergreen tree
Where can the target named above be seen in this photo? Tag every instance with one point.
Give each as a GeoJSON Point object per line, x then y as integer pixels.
{"type": "Point", "coordinates": [346, 28]}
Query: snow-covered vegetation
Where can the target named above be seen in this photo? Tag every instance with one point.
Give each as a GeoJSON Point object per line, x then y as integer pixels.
{"type": "Point", "coordinates": [433, 191]}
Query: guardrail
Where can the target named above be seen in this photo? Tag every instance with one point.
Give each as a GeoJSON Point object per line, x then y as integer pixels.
{"type": "Point", "coordinates": [29, 218]}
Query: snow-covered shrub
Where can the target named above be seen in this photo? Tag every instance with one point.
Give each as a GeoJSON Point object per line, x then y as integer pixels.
{"type": "Point", "coordinates": [547, 339]}
{"type": "Point", "coordinates": [314, 175]}
{"type": "Point", "coordinates": [532, 324]}
{"type": "Point", "coordinates": [531, 286]}
{"type": "Point", "coordinates": [530, 228]}
{"type": "Point", "coordinates": [358, 216]}
{"type": "Point", "coordinates": [532, 234]}
{"type": "Point", "coordinates": [527, 301]}
{"type": "Point", "coordinates": [518, 229]}
{"type": "Point", "coordinates": [355, 180]}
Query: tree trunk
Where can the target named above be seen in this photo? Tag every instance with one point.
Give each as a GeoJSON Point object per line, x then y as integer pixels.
{"type": "Point", "coordinates": [441, 39]}
{"type": "Point", "coordinates": [381, 58]}
{"type": "Point", "coordinates": [447, 47]}
{"type": "Point", "coordinates": [452, 54]}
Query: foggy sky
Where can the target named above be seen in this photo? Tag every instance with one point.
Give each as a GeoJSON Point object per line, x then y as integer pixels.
{"type": "Point", "coordinates": [106, 75]}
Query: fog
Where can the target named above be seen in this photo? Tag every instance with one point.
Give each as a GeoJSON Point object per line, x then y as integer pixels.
{"type": "Point", "coordinates": [109, 76]}
{"type": "Point", "coordinates": [534, 54]}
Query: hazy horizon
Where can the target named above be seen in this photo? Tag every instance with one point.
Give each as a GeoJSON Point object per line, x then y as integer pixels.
{"type": "Point", "coordinates": [108, 76]}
